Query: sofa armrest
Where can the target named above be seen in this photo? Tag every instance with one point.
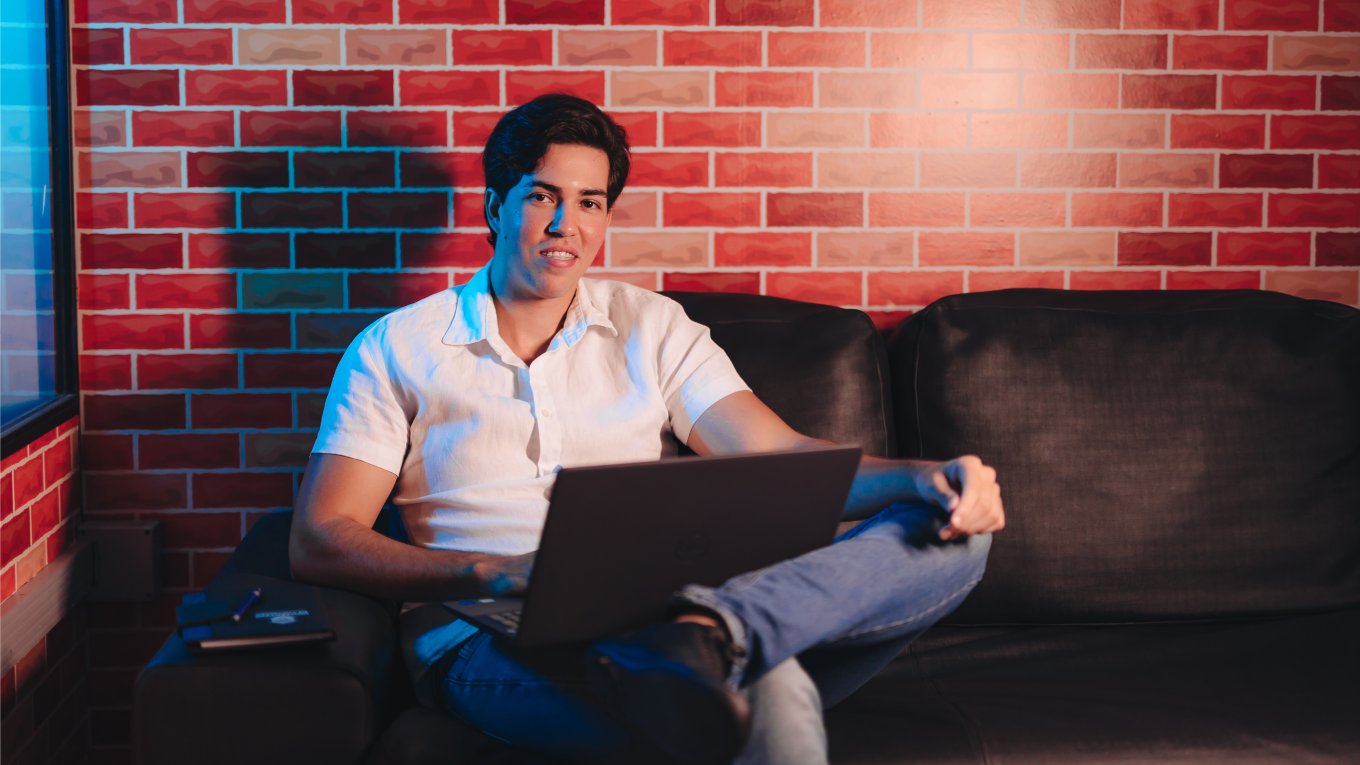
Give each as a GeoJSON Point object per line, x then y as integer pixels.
{"type": "Point", "coordinates": [322, 702]}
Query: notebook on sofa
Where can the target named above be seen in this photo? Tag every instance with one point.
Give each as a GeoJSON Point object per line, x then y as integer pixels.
{"type": "Point", "coordinates": [619, 540]}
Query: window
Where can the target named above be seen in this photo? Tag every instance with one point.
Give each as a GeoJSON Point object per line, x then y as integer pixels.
{"type": "Point", "coordinates": [37, 348]}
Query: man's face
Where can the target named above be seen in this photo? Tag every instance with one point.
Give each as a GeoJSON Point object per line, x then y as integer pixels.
{"type": "Point", "coordinates": [551, 224]}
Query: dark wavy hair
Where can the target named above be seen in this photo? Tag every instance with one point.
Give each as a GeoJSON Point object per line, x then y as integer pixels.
{"type": "Point", "coordinates": [522, 137]}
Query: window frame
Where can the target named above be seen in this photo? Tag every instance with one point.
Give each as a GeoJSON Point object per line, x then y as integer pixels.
{"type": "Point", "coordinates": [37, 422]}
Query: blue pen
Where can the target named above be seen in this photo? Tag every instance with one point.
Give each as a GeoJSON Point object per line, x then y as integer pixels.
{"type": "Point", "coordinates": [251, 599]}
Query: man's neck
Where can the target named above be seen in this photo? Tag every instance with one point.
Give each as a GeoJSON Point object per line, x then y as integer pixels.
{"type": "Point", "coordinates": [528, 326]}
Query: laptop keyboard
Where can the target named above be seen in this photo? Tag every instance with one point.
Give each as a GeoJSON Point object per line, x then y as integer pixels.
{"type": "Point", "coordinates": [507, 619]}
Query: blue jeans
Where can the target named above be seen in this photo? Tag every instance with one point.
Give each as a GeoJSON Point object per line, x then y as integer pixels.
{"type": "Point", "coordinates": [808, 632]}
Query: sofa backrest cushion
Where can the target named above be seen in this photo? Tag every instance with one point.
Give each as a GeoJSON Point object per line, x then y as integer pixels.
{"type": "Point", "coordinates": [1162, 455]}
{"type": "Point", "coordinates": [823, 369]}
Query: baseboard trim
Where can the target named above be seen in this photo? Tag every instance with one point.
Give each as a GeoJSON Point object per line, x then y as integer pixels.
{"type": "Point", "coordinates": [45, 600]}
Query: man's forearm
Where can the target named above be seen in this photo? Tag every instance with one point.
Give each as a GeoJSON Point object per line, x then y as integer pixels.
{"type": "Point", "coordinates": [880, 482]}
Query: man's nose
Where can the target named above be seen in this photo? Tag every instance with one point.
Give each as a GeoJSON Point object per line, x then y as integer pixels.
{"type": "Point", "coordinates": [563, 221]}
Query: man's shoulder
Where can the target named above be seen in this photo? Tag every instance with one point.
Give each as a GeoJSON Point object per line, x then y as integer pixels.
{"type": "Point", "coordinates": [423, 321]}
{"type": "Point", "coordinates": [628, 303]}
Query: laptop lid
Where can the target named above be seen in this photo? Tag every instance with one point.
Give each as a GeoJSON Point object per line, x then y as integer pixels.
{"type": "Point", "coordinates": [619, 540]}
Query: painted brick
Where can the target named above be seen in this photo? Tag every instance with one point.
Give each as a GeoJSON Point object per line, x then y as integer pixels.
{"type": "Point", "coordinates": [291, 290]}
{"type": "Point", "coordinates": [298, 46]}
{"type": "Point", "coordinates": [1121, 51]}
{"type": "Point", "coordinates": [762, 169]}
{"type": "Point", "coordinates": [1220, 52]}
{"type": "Point", "coordinates": [1218, 131]}
{"type": "Point", "coordinates": [1213, 280]}
{"type": "Point", "coordinates": [993, 14]}
{"type": "Point", "coordinates": [121, 11]}
{"type": "Point", "coordinates": [241, 410]}
{"type": "Point", "coordinates": [253, 489]}
{"type": "Point", "coordinates": [871, 170]}
{"type": "Point", "coordinates": [854, 13]}
{"type": "Point", "coordinates": [1337, 249]}
{"type": "Point", "coordinates": [396, 47]}
{"type": "Point", "coordinates": [14, 537]}
{"type": "Point", "coordinates": [813, 129]}
{"type": "Point", "coordinates": [236, 169]}
{"type": "Point", "coordinates": [1316, 131]}
{"type": "Point", "coordinates": [658, 88]}
{"type": "Point", "coordinates": [175, 128]}
{"type": "Point", "coordinates": [1067, 248]}
{"type": "Point", "coordinates": [103, 291]}
{"type": "Point", "coordinates": [184, 210]}
{"type": "Point", "coordinates": [977, 170]}
{"type": "Point", "coordinates": [1272, 15]}
{"type": "Point", "coordinates": [448, 11]}
{"type": "Point", "coordinates": [669, 169]}
{"type": "Point", "coordinates": [1166, 170]}
{"type": "Point", "coordinates": [454, 88]}
{"type": "Point", "coordinates": [186, 290]}
{"type": "Point", "coordinates": [611, 47]}
{"type": "Point", "coordinates": [711, 209]}
{"type": "Point", "coordinates": [524, 86]}
{"type": "Point", "coordinates": [986, 281]}
{"type": "Point", "coordinates": [1337, 286]}
{"type": "Point", "coordinates": [99, 129]}
{"type": "Point", "coordinates": [667, 12]}
{"type": "Point", "coordinates": [236, 88]}
{"type": "Point", "coordinates": [131, 250]}
{"type": "Point", "coordinates": [352, 87]}
{"type": "Point", "coordinates": [291, 210]}
{"type": "Point", "coordinates": [918, 50]}
{"type": "Point", "coordinates": [212, 330]}
{"type": "Point", "coordinates": [234, 11]}
{"type": "Point", "coordinates": [289, 129]}
{"type": "Point", "coordinates": [718, 48]}
{"type": "Point", "coordinates": [139, 411]}
{"type": "Point", "coordinates": [140, 87]}
{"type": "Point", "coordinates": [27, 481]}
{"type": "Point", "coordinates": [146, 330]}
{"type": "Point", "coordinates": [1116, 280]}
{"type": "Point", "coordinates": [290, 370]}
{"type": "Point", "coordinates": [1338, 171]}
{"type": "Point", "coordinates": [920, 209]}
{"type": "Point", "coordinates": [342, 11]}
{"type": "Point", "coordinates": [195, 531]}
{"type": "Point", "coordinates": [912, 287]}
{"type": "Point", "coordinates": [513, 47]}
{"type": "Point", "coordinates": [105, 452]}
{"type": "Point", "coordinates": [1340, 16]}
{"type": "Point", "coordinates": [747, 282]}
{"type": "Point", "coordinates": [398, 210]}
{"type": "Point", "coordinates": [762, 13]}
{"type": "Point", "coordinates": [762, 249]}
{"type": "Point", "coordinates": [1169, 91]}
{"type": "Point", "coordinates": [1266, 248]}
{"type": "Point", "coordinates": [814, 209]}
{"type": "Point", "coordinates": [105, 372]}
{"type": "Point", "coordinates": [143, 169]}
{"type": "Point", "coordinates": [1020, 51]}
{"type": "Point", "coordinates": [332, 330]}
{"type": "Point", "coordinates": [941, 130]}
{"type": "Point", "coordinates": [1043, 90]}
{"type": "Point", "coordinates": [393, 290]}
{"type": "Point", "coordinates": [1269, 91]}
{"type": "Point", "coordinates": [278, 449]}
{"type": "Point", "coordinates": [1171, 14]}
{"type": "Point", "coordinates": [96, 46]}
{"type": "Point", "coordinates": [398, 128]}
{"type": "Point", "coordinates": [1024, 210]}
{"type": "Point", "coordinates": [178, 371]}
{"type": "Point", "coordinates": [1166, 249]}
{"type": "Point", "coordinates": [1059, 14]}
{"type": "Point", "coordinates": [1035, 131]}
{"type": "Point", "coordinates": [443, 169]}
{"type": "Point", "coordinates": [966, 249]}
{"type": "Point", "coordinates": [864, 248]}
{"type": "Point", "coordinates": [101, 210]}
{"type": "Point", "coordinates": [1118, 131]}
{"type": "Point", "coordinates": [829, 287]}
{"type": "Point", "coordinates": [59, 461]}
{"type": "Point", "coordinates": [554, 11]}
{"type": "Point", "coordinates": [1215, 210]}
{"type": "Point", "coordinates": [864, 90]}
{"type": "Point", "coordinates": [348, 250]}
{"type": "Point", "coordinates": [1313, 210]}
{"type": "Point", "coordinates": [666, 249]}
{"type": "Point", "coordinates": [712, 128]}
{"type": "Point", "coordinates": [974, 90]}
{"type": "Point", "coordinates": [635, 210]}
{"type": "Point", "coordinates": [1278, 171]}
{"type": "Point", "coordinates": [238, 250]}
{"type": "Point", "coordinates": [763, 89]}
{"type": "Point", "coordinates": [179, 46]}
{"type": "Point", "coordinates": [1315, 53]}
{"type": "Point", "coordinates": [1084, 170]}
{"type": "Point", "coordinates": [1341, 93]}
{"type": "Point", "coordinates": [469, 209]}
{"type": "Point", "coordinates": [309, 408]}
{"type": "Point", "coordinates": [803, 49]}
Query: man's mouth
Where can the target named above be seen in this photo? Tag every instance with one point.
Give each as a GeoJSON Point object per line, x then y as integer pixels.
{"type": "Point", "coordinates": [559, 256]}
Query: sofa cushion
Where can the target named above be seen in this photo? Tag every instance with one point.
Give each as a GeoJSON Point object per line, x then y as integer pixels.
{"type": "Point", "coordinates": [1162, 455]}
{"type": "Point", "coordinates": [821, 368]}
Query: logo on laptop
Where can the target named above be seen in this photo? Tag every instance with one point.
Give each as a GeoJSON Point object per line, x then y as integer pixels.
{"type": "Point", "coordinates": [692, 547]}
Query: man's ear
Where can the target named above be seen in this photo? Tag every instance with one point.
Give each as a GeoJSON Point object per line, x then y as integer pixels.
{"type": "Point", "coordinates": [492, 211]}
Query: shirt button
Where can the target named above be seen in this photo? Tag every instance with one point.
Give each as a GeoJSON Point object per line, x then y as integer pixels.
{"type": "Point", "coordinates": [547, 412]}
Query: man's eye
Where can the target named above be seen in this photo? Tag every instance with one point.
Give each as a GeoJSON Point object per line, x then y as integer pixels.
{"type": "Point", "coordinates": [539, 196]}
{"type": "Point", "coordinates": [592, 204]}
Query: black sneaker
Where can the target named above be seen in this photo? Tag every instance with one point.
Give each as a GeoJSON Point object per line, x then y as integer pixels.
{"type": "Point", "coordinates": [668, 683]}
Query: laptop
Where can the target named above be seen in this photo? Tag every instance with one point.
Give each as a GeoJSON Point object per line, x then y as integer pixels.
{"type": "Point", "coordinates": [619, 540]}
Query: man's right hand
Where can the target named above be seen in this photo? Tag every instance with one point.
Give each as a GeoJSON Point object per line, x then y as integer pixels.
{"type": "Point", "coordinates": [504, 574]}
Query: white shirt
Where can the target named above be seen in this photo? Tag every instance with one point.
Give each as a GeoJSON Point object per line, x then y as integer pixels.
{"type": "Point", "coordinates": [433, 394]}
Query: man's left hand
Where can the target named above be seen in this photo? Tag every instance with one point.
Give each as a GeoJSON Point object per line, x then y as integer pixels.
{"type": "Point", "coordinates": [968, 490]}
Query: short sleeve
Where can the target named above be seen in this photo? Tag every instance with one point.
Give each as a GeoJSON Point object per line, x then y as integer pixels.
{"type": "Point", "coordinates": [363, 417]}
{"type": "Point", "coordinates": [694, 372]}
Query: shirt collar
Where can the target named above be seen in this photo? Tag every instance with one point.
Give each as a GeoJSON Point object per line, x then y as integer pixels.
{"type": "Point", "coordinates": [474, 314]}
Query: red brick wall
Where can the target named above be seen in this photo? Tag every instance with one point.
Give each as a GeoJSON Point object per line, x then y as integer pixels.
{"type": "Point", "coordinates": [261, 178]}
{"type": "Point", "coordinates": [44, 709]}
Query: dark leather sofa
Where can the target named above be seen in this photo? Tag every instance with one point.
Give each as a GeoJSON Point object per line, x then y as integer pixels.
{"type": "Point", "coordinates": [1179, 580]}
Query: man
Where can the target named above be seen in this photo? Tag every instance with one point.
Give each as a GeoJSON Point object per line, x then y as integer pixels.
{"type": "Point", "coordinates": [462, 407]}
